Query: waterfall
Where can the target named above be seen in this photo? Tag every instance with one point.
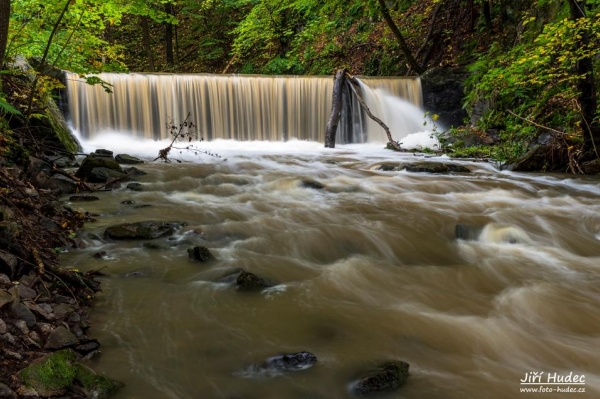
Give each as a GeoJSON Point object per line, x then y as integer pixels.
{"type": "Point", "coordinates": [246, 107]}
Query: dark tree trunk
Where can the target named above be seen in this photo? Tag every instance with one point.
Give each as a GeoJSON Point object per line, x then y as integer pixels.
{"type": "Point", "coordinates": [587, 89]}
{"type": "Point", "coordinates": [169, 35]}
{"type": "Point", "coordinates": [4, 22]}
{"type": "Point", "coordinates": [146, 39]}
{"type": "Point", "coordinates": [336, 108]}
{"type": "Point", "coordinates": [487, 16]}
{"type": "Point", "coordinates": [414, 65]}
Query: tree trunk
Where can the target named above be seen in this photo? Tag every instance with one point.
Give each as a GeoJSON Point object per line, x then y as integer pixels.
{"type": "Point", "coordinates": [146, 39]}
{"type": "Point", "coordinates": [401, 42]}
{"type": "Point", "coordinates": [169, 35]}
{"type": "Point", "coordinates": [586, 86]}
{"type": "Point", "coordinates": [336, 108]}
{"type": "Point", "coordinates": [4, 22]}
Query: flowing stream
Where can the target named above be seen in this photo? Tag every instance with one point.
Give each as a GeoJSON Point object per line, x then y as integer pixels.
{"type": "Point", "coordinates": [367, 270]}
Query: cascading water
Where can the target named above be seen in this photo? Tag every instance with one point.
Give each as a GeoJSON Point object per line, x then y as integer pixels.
{"type": "Point", "coordinates": [240, 107]}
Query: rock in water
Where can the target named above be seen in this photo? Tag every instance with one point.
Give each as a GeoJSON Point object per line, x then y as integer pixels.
{"type": "Point", "coordinates": [127, 159]}
{"type": "Point", "coordinates": [147, 230]}
{"type": "Point", "coordinates": [249, 282]}
{"type": "Point", "coordinates": [61, 337]}
{"type": "Point", "coordinates": [200, 254]}
{"type": "Point", "coordinates": [467, 232]}
{"type": "Point", "coordinates": [386, 377]}
{"type": "Point", "coordinates": [315, 185]}
{"type": "Point", "coordinates": [435, 167]}
{"type": "Point", "coordinates": [295, 361]}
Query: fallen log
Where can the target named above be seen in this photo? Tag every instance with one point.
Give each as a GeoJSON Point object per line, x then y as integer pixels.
{"type": "Point", "coordinates": [336, 108]}
{"type": "Point", "coordinates": [351, 81]}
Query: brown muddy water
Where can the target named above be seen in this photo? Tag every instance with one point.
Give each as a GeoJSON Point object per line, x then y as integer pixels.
{"type": "Point", "coordinates": [367, 270]}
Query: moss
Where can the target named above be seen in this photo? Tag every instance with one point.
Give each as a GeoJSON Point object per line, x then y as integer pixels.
{"type": "Point", "coordinates": [96, 386]}
{"type": "Point", "coordinates": [60, 127]}
{"type": "Point", "coordinates": [56, 372]}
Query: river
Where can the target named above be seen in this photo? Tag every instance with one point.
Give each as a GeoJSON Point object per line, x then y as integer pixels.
{"type": "Point", "coordinates": [367, 270]}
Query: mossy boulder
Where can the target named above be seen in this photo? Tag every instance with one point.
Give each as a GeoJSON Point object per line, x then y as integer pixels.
{"type": "Point", "coordinates": [51, 376]}
{"type": "Point", "coordinates": [57, 373]}
{"type": "Point", "coordinates": [95, 386]}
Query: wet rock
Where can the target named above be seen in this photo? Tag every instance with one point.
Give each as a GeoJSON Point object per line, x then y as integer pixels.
{"type": "Point", "coordinates": [5, 298]}
{"type": "Point", "coordinates": [94, 385]}
{"type": "Point", "coordinates": [26, 292]}
{"type": "Point", "coordinates": [4, 280]}
{"type": "Point", "coordinates": [12, 355]}
{"type": "Point", "coordinates": [147, 230]}
{"type": "Point", "coordinates": [386, 167]}
{"type": "Point", "coordinates": [435, 167]}
{"type": "Point", "coordinates": [22, 326]}
{"type": "Point", "coordinates": [44, 328]}
{"type": "Point", "coordinates": [154, 245]}
{"type": "Point", "coordinates": [127, 159]}
{"type": "Point", "coordinates": [100, 255]}
{"type": "Point", "coordinates": [64, 299]}
{"type": "Point", "coordinates": [6, 392]}
{"type": "Point", "coordinates": [22, 312]}
{"type": "Point", "coordinates": [8, 263]}
{"type": "Point", "coordinates": [83, 198]}
{"type": "Point", "coordinates": [3, 328]}
{"type": "Point", "coordinates": [140, 206]}
{"type": "Point", "coordinates": [8, 337]}
{"type": "Point", "coordinates": [315, 185]}
{"type": "Point", "coordinates": [92, 162]}
{"type": "Point", "coordinates": [61, 337]}
{"type": "Point", "coordinates": [290, 362]}
{"type": "Point", "coordinates": [35, 337]}
{"type": "Point", "coordinates": [137, 273]}
{"type": "Point", "coordinates": [386, 377]}
{"type": "Point", "coordinates": [250, 282]}
{"type": "Point", "coordinates": [133, 171]}
{"type": "Point", "coordinates": [135, 187]}
{"type": "Point", "coordinates": [62, 311]}
{"type": "Point", "coordinates": [443, 94]}
{"type": "Point", "coordinates": [128, 202]}
{"type": "Point", "coordinates": [103, 153]}
{"type": "Point", "coordinates": [467, 232]}
{"type": "Point", "coordinates": [74, 318]}
{"type": "Point", "coordinates": [200, 254]}
{"type": "Point", "coordinates": [102, 175]}
{"type": "Point", "coordinates": [25, 392]}
{"type": "Point", "coordinates": [87, 347]}
{"type": "Point", "coordinates": [42, 310]}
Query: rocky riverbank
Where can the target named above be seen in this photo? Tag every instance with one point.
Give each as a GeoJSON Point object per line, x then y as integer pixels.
{"type": "Point", "coordinates": [44, 308]}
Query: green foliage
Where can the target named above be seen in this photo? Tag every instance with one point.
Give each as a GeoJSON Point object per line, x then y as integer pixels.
{"type": "Point", "coordinates": [535, 79]}
{"type": "Point", "coordinates": [54, 373]}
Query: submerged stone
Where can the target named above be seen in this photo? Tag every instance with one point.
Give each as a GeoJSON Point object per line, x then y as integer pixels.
{"type": "Point", "coordinates": [246, 281]}
{"type": "Point", "coordinates": [135, 187]}
{"type": "Point", "coordinates": [386, 377]}
{"type": "Point", "coordinates": [315, 185]}
{"type": "Point", "coordinates": [200, 254]}
{"type": "Point", "coordinates": [467, 232]}
{"type": "Point", "coordinates": [146, 230]}
{"type": "Point", "coordinates": [435, 167]}
{"type": "Point", "coordinates": [290, 362]}
{"type": "Point", "coordinates": [83, 198]}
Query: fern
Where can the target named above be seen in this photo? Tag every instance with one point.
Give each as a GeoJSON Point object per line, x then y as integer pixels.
{"type": "Point", "coordinates": [7, 108]}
